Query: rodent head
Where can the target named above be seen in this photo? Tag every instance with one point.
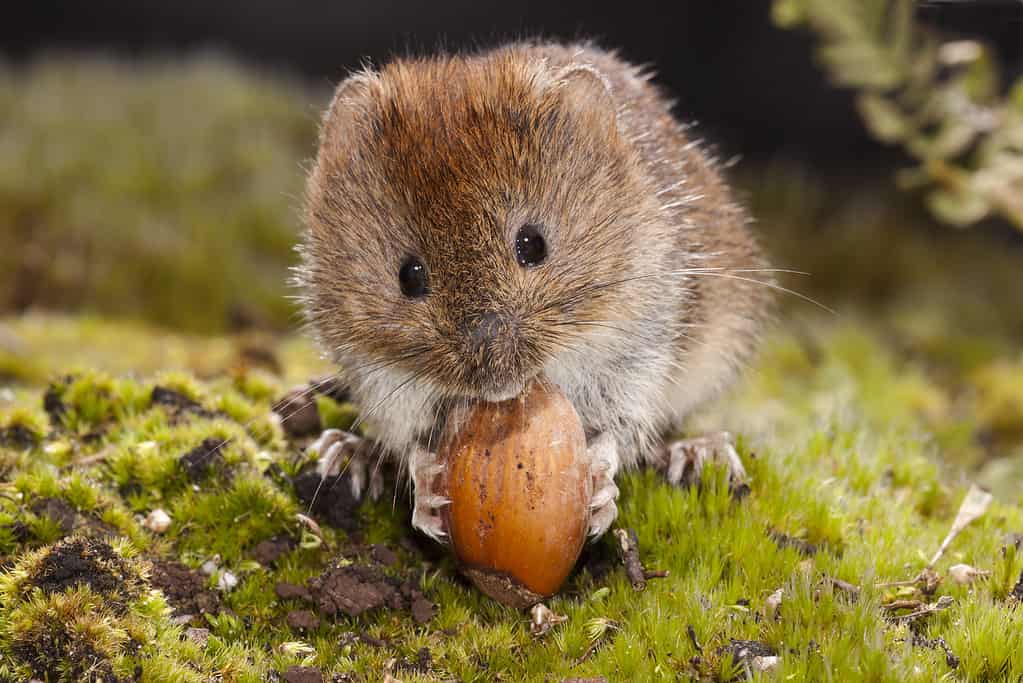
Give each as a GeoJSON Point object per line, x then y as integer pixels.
{"type": "Point", "coordinates": [469, 220]}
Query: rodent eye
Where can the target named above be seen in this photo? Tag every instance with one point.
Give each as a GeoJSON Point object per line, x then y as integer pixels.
{"type": "Point", "coordinates": [412, 278]}
{"type": "Point", "coordinates": [530, 248]}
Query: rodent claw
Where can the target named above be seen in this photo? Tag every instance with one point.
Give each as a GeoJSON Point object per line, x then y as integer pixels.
{"type": "Point", "coordinates": [607, 494]}
{"type": "Point", "coordinates": [687, 457]}
{"type": "Point", "coordinates": [603, 457]}
{"type": "Point", "coordinates": [425, 467]}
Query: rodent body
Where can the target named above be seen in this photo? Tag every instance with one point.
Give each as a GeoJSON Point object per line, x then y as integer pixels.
{"type": "Point", "coordinates": [640, 303]}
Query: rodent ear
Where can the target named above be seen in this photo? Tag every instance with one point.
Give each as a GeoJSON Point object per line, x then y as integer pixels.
{"type": "Point", "coordinates": [349, 103]}
{"type": "Point", "coordinates": [588, 92]}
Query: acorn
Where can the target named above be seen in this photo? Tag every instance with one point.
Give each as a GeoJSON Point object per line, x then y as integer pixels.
{"type": "Point", "coordinates": [520, 487]}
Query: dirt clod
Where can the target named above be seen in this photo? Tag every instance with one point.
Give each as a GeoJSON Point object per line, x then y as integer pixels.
{"type": "Point", "coordinates": [18, 437]}
{"type": "Point", "coordinates": [333, 502]}
{"type": "Point", "coordinates": [291, 591]}
{"type": "Point", "coordinates": [185, 589]}
{"type": "Point", "coordinates": [201, 460]}
{"type": "Point", "coordinates": [422, 664]}
{"type": "Point", "coordinates": [355, 589]}
{"type": "Point", "coordinates": [384, 555]}
{"type": "Point", "coordinates": [299, 413]}
{"type": "Point", "coordinates": [177, 404]}
{"type": "Point", "coordinates": [267, 552]}
{"type": "Point", "coordinates": [799, 545]}
{"type": "Point", "coordinates": [53, 404]}
{"type": "Point", "coordinates": [58, 510]}
{"type": "Point", "coordinates": [302, 620]}
{"type": "Point", "coordinates": [302, 674]}
{"type": "Point", "coordinates": [422, 610]}
{"type": "Point", "coordinates": [93, 563]}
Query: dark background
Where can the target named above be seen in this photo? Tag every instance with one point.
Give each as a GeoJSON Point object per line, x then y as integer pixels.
{"type": "Point", "coordinates": [754, 88]}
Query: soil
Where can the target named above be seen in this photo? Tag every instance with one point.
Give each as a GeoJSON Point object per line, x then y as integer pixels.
{"type": "Point", "coordinates": [59, 656]}
{"type": "Point", "coordinates": [1017, 590]}
{"type": "Point", "coordinates": [299, 413]}
{"type": "Point", "coordinates": [747, 650]}
{"type": "Point", "coordinates": [91, 562]}
{"type": "Point", "coordinates": [422, 610]}
{"type": "Point", "coordinates": [420, 666]}
{"type": "Point", "coordinates": [297, 409]}
{"type": "Point", "coordinates": [597, 560]}
{"type": "Point", "coordinates": [291, 591]}
{"type": "Point", "coordinates": [354, 589]}
{"type": "Point", "coordinates": [919, 640]}
{"type": "Point", "coordinates": [199, 462]}
{"type": "Point", "coordinates": [798, 544]}
{"type": "Point", "coordinates": [58, 510]}
{"type": "Point", "coordinates": [303, 620]}
{"type": "Point", "coordinates": [332, 502]}
{"type": "Point", "coordinates": [177, 404]}
{"type": "Point", "coordinates": [185, 589]}
{"type": "Point", "coordinates": [269, 551]}
{"type": "Point", "coordinates": [384, 555]}
{"type": "Point", "coordinates": [18, 437]}
{"type": "Point", "coordinates": [302, 674]}
{"type": "Point", "coordinates": [52, 403]}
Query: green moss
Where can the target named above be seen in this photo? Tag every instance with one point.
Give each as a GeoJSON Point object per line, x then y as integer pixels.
{"type": "Point", "coordinates": [837, 433]}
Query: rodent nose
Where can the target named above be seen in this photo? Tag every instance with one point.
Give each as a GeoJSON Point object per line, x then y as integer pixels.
{"type": "Point", "coordinates": [486, 328]}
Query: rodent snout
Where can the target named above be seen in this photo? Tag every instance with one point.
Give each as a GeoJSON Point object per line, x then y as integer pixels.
{"type": "Point", "coordinates": [492, 360]}
{"type": "Point", "coordinates": [484, 329]}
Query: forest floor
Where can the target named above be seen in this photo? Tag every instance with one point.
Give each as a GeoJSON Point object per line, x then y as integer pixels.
{"type": "Point", "coordinates": [822, 572]}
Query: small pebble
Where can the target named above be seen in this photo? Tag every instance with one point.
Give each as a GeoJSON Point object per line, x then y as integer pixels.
{"type": "Point", "coordinates": [199, 636]}
{"type": "Point", "coordinates": [210, 566]}
{"type": "Point", "coordinates": [157, 521]}
{"type": "Point", "coordinates": [227, 581]}
{"type": "Point", "coordinates": [765, 663]}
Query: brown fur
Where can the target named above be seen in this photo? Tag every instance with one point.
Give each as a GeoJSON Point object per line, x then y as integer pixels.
{"type": "Point", "coordinates": [446, 158]}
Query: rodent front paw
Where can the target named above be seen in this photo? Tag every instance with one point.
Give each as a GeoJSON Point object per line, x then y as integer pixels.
{"type": "Point", "coordinates": [426, 471]}
{"type": "Point", "coordinates": [340, 452]}
{"type": "Point", "coordinates": [603, 457]}
{"type": "Point", "coordinates": [686, 458]}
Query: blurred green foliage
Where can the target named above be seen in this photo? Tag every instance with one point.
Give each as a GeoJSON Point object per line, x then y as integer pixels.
{"type": "Point", "coordinates": [166, 191]}
{"type": "Point", "coordinates": [942, 101]}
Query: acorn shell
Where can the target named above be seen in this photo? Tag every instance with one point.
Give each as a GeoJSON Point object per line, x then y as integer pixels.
{"type": "Point", "coordinates": [520, 487]}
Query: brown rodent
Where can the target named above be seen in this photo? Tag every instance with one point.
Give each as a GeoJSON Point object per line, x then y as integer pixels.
{"type": "Point", "coordinates": [476, 220]}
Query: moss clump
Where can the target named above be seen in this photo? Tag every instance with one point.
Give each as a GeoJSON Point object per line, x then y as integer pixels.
{"type": "Point", "coordinates": [65, 610]}
{"type": "Point", "coordinates": [110, 573]}
{"type": "Point", "coordinates": [66, 637]}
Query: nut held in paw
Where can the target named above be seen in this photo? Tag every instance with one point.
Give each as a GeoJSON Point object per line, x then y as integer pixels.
{"type": "Point", "coordinates": [520, 487]}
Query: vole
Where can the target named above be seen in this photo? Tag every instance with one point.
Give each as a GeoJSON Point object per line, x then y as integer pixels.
{"type": "Point", "coordinates": [475, 220]}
